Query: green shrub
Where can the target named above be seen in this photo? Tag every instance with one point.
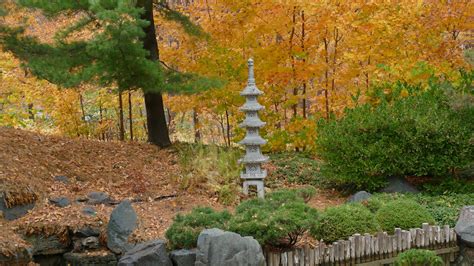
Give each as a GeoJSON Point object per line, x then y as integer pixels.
{"type": "Point", "coordinates": [340, 222]}
{"type": "Point", "coordinates": [184, 231]}
{"type": "Point", "coordinates": [449, 186]}
{"type": "Point", "coordinates": [376, 201]}
{"type": "Point", "coordinates": [404, 214]}
{"type": "Point", "coordinates": [418, 257]}
{"type": "Point", "coordinates": [279, 220]}
{"type": "Point", "coordinates": [419, 135]}
{"type": "Point", "coordinates": [445, 208]}
{"type": "Point", "coordinates": [295, 167]}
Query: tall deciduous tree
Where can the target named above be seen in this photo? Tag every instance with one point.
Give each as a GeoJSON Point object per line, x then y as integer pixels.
{"type": "Point", "coordinates": [108, 42]}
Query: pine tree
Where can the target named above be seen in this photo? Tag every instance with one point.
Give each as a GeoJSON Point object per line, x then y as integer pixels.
{"type": "Point", "coordinates": [121, 51]}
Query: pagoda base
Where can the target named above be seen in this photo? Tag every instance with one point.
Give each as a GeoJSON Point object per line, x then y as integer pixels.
{"type": "Point", "coordinates": [258, 184]}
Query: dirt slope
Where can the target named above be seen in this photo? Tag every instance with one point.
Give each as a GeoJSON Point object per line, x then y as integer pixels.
{"type": "Point", "coordinates": [29, 163]}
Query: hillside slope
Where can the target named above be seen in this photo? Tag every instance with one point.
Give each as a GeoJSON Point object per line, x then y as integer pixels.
{"type": "Point", "coordinates": [30, 163]}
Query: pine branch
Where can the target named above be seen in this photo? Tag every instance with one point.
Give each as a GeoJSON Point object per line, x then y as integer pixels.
{"type": "Point", "coordinates": [188, 26]}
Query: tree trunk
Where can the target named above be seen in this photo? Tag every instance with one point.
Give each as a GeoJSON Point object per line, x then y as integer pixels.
{"type": "Point", "coordinates": [197, 131]}
{"type": "Point", "coordinates": [293, 67]}
{"type": "Point", "coordinates": [228, 127]}
{"type": "Point", "coordinates": [121, 126]}
{"type": "Point", "coordinates": [326, 74]}
{"type": "Point", "coordinates": [155, 111]}
{"type": "Point", "coordinates": [303, 36]}
{"type": "Point", "coordinates": [130, 118]}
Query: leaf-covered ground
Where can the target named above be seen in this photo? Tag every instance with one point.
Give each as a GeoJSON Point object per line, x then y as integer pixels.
{"type": "Point", "coordinates": [29, 163]}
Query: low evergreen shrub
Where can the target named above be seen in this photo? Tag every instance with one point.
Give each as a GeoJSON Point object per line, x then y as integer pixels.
{"type": "Point", "coordinates": [418, 257]}
{"type": "Point", "coordinates": [185, 230]}
{"type": "Point", "coordinates": [279, 220]}
{"type": "Point", "coordinates": [342, 221]}
{"type": "Point", "coordinates": [445, 209]}
{"type": "Point", "coordinates": [404, 214]}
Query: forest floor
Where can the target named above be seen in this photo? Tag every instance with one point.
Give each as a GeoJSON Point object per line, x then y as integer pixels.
{"type": "Point", "coordinates": [29, 163]}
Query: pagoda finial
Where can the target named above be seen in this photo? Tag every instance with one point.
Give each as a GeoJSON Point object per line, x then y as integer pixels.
{"type": "Point", "coordinates": [251, 79]}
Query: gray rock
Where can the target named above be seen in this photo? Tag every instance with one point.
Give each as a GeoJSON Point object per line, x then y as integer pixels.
{"type": "Point", "coordinates": [465, 257]}
{"type": "Point", "coordinates": [16, 211]}
{"type": "Point", "coordinates": [87, 231]}
{"type": "Point", "coordinates": [49, 260]}
{"type": "Point", "coordinates": [89, 211]}
{"type": "Point", "coordinates": [217, 247]}
{"type": "Point", "coordinates": [360, 196]}
{"type": "Point", "coordinates": [465, 226]}
{"type": "Point", "coordinates": [98, 198]}
{"type": "Point", "coordinates": [123, 220]}
{"type": "Point", "coordinates": [91, 242]}
{"type": "Point", "coordinates": [103, 258]}
{"type": "Point", "coordinates": [60, 202]}
{"type": "Point", "coordinates": [398, 184]}
{"type": "Point", "coordinates": [183, 257]}
{"type": "Point", "coordinates": [21, 257]}
{"type": "Point", "coordinates": [147, 254]}
{"type": "Point", "coordinates": [61, 178]}
{"type": "Point", "coordinates": [50, 245]}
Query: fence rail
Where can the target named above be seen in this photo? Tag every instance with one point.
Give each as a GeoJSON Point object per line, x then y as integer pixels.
{"type": "Point", "coordinates": [371, 250]}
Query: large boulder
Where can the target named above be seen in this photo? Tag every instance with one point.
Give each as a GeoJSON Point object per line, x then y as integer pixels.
{"type": "Point", "coordinates": [217, 247]}
{"type": "Point", "coordinates": [465, 226]}
{"type": "Point", "coordinates": [397, 184]}
{"type": "Point", "coordinates": [47, 245]}
{"type": "Point", "coordinates": [147, 254]}
{"type": "Point", "coordinates": [123, 220]}
{"type": "Point", "coordinates": [183, 257]}
{"type": "Point", "coordinates": [20, 257]}
{"type": "Point", "coordinates": [359, 196]}
{"type": "Point", "coordinates": [87, 231]}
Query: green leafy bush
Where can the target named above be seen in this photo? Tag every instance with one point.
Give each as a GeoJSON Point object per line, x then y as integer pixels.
{"type": "Point", "coordinates": [295, 167]}
{"type": "Point", "coordinates": [403, 213]}
{"type": "Point", "coordinates": [340, 222]}
{"type": "Point", "coordinates": [418, 135]}
{"type": "Point", "coordinates": [449, 186]}
{"type": "Point", "coordinates": [185, 229]}
{"type": "Point", "coordinates": [418, 257]}
{"type": "Point", "coordinates": [445, 209]}
{"type": "Point", "coordinates": [279, 220]}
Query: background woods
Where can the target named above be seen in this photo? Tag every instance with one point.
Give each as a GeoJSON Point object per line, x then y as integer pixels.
{"type": "Point", "coordinates": [313, 60]}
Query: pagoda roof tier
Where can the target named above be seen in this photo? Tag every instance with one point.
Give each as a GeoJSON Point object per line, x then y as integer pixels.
{"type": "Point", "coordinates": [253, 140]}
{"type": "Point", "coordinates": [252, 122]}
{"type": "Point", "coordinates": [251, 90]}
{"type": "Point", "coordinates": [252, 106]}
{"type": "Point", "coordinates": [254, 158]}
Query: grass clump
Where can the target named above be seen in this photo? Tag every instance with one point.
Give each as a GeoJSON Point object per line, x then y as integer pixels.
{"type": "Point", "coordinates": [404, 214]}
{"type": "Point", "coordinates": [185, 229]}
{"type": "Point", "coordinates": [342, 221]}
{"type": "Point", "coordinates": [418, 257]}
{"type": "Point", "coordinates": [211, 168]}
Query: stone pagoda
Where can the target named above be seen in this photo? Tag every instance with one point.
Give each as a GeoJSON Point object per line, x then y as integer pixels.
{"type": "Point", "coordinates": [253, 174]}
